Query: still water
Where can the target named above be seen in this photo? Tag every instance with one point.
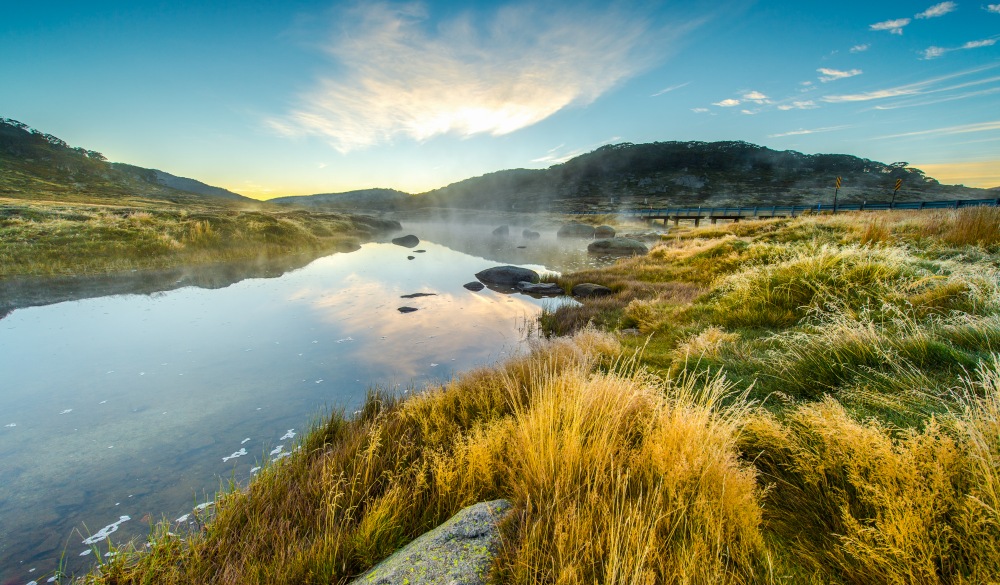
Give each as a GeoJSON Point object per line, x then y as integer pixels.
{"type": "Point", "coordinates": [119, 411]}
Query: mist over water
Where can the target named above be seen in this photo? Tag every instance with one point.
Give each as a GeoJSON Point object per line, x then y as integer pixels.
{"type": "Point", "coordinates": [119, 411]}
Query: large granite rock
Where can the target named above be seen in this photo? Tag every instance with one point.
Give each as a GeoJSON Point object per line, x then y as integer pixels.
{"type": "Point", "coordinates": [589, 289]}
{"type": "Point", "coordinates": [474, 286]}
{"type": "Point", "coordinates": [507, 275]}
{"type": "Point", "coordinates": [575, 230]}
{"type": "Point", "coordinates": [541, 288]}
{"type": "Point", "coordinates": [604, 231]}
{"type": "Point", "coordinates": [406, 241]}
{"type": "Point", "coordinates": [618, 246]}
{"type": "Point", "coordinates": [459, 552]}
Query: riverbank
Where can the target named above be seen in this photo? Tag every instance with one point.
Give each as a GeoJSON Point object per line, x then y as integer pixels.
{"type": "Point", "coordinates": [814, 400]}
{"type": "Point", "coordinates": [47, 238]}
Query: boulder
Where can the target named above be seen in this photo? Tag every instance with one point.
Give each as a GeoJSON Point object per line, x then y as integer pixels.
{"type": "Point", "coordinates": [541, 288]}
{"type": "Point", "coordinates": [474, 286]}
{"type": "Point", "coordinates": [406, 309]}
{"type": "Point", "coordinates": [530, 235]}
{"type": "Point", "coordinates": [406, 241]}
{"type": "Point", "coordinates": [458, 552]}
{"type": "Point", "coordinates": [604, 231]}
{"type": "Point", "coordinates": [575, 230]}
{"type": "Point", "coordinates": [618, 246]}
{"type": "Point", "coordinates": [507, 275]}
{"type": "Point", "coordinates": [502, 231]}
{"type": "Point", "coordinates": [589, 289]}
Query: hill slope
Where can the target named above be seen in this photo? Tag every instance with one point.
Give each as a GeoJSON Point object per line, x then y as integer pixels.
{"type": "Point", "coordinates": [35, 165]}
{"type": "Point", "coordinates": [698, 173]}
{"type": "Point", "coordinates": [361, 199]}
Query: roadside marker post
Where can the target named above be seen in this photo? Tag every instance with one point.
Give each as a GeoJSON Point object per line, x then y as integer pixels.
{"type": "Point", "coordinates": [899, 183]}
{"type": "Point", "coordinates": [835, 196]}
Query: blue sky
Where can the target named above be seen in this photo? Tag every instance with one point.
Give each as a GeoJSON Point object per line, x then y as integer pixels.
{"type": "Point", "coordinates": [281, 98]}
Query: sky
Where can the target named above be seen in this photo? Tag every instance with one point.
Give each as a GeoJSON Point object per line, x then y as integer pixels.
{"type": "Point", "coordinates": [289, 98]}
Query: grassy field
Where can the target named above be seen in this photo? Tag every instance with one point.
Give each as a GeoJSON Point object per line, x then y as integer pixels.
{"type": "Point", "coordinates": [46, 237]}
{"type": "Point", "coordinates": [811, 400]}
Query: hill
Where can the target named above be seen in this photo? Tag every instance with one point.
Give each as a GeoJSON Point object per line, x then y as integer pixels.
{"type": "Point", "coordinates": [697, 173]}
{"type": "Point", "coordinates": [36, 165]}
{"type": "Point", "coordinates": [382, 199]}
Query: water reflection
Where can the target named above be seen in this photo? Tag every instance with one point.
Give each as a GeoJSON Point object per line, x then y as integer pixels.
{"type": "Point", "coordinates": [139, 405]}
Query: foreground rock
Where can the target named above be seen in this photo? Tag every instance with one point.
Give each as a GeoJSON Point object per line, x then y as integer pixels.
{"type": "Point", "coordinates": [618, 246]}
{"type": "Point", "coordinates": [530, 235]}
{"type": "Point", "coordinates": [474, 286]}
{"type": "Point", "coordinates": [459, 552]}
{"type": "Point", "coordinates": [542, 288]}
{"type": "Point", "coordinates": [576, 230]}
{"type": "Point", "coordinates": [589, 289]}
{"type": "Point", "coordinates": [604, 231]}
{"type": "Point", "coordinates": [406, 241]}
{"type": "Point", "coordinates": [507, 275]}
{"type": "Point", "coordinates": [502, 231]}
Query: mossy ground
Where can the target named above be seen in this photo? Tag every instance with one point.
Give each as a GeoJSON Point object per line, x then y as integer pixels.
{"type": "Point", "coordinates": [813, 400]}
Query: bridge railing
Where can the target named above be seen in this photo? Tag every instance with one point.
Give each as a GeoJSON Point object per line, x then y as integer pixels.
{"type": "Point", "coordinates": [790, 210]}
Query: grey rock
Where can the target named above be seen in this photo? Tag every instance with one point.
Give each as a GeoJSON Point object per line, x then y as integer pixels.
{"type": "Point", "coordinates": [604, 231]}
{"type": "Point", "coordinates": [507, 275]}
{"type": "Point", "coordinates": [542, 288]}
{"type": "Point", "coordinates": [458, 552]}
{"type": "Point", "coordinates": [406, 241]}
{"type": "Point", "coordinates": [589, 289]}
{"type": "Point", "coordinates": [530, 235]}
{"type": "Point", "coordinates": [415, 295]}
{"type": "Point", "coordinates": [406, 309]}
{"type": "Point", "coordinates": [502, 231]}
{"type": "Point", "coordinates": [410, 257]}
{"type": "Point", "coordinates": [618, 246]}
{"type": "Point", "coordinates": [420, 251]}
{"type": "Point", "coordinates": [474, 286]}
{"type": "Point", "coordinates": [576, 230]}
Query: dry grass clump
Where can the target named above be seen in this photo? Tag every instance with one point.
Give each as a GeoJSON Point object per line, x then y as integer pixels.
{"type": "Point", "coordinates": [971, 226]}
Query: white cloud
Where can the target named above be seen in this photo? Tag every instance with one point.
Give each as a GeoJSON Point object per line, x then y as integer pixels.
{"type": "Point", "coordinates": [798, 105]}
{"type": "Point", "coordinates": [935, 52]}
{"type": "Point", "coordinates": [918, 88]}
{"type": "Point", "coordinates": [670, 89]}
{"type": "Point", "coordinates": [749, 112]}
{"type": "Point", "coordinates": [699, 110]}
{"type": "Point", "coordinates": [977, 44]}
{"type": "Point", "coordinates": [893, 26]}
{"type": "Point", "coordinates": [728, 103]}
{"type": "Point", "coordinates": [801, 132]}
{"type": "Point", "coordinates": [834, 74]}
{"type": "Point", "coordinates": [860, 48]}
{"type": "Point", "coordinates": [938, 10]}
{"type": "Point", "coordinates": [756, 97]}
{"type": "Point", "coordinates": [949, 130]}
{"type": "Point", "coordinates": [993, 8]}
{"type": "Point", "coordinates": [398, 74]}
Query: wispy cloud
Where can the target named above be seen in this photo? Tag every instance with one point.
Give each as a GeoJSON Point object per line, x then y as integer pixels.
{"type": "Point", "coordinates": [398, 74]}
{"type": "Point", "coordinates": [949, 130]}
{"type": "Point", "coordinates": [938, 10]}
{"type": "Point", "coordinates": [558, 156]}
{"type": "Point", "coordinates": [749, 112]}
{"type": "Point", "coordinates": [893, 26]}
{"type": "Point", "coordinates": [798, 105]}
{"type": "Point", "coordinates": [860, 48]}
{"type": "Point", "coordinates": [671, 88]}
{"type": "Point", "coordinates": [727, 103]}
{"type": "Point", "coordinates": [802, 132]}
{"type": "Point", "coordinates": [935, 52]}
{"type": "Point", "coordinates": [919, 88]}
{"type": "Point", "coordinates": [699, 110]}
{"type": "Point", "coordinates": [934, 101]}
{"type": "Point", "coordinates": [995, 8]}
{"type": "Point", "coordinates": [835, 74]}
{"type": "Point", "coordinates": [756, 97]}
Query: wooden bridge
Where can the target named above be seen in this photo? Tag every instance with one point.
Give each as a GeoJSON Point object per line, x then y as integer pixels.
{"type": "Point", "coordinates": [713, 214]}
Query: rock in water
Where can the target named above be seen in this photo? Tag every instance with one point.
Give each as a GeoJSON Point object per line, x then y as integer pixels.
{"type": "Point", "coordinates": [530, 235]}
{"type": "Point", "coordinates": [576, 230]}
{"type": "Point", "coordinates": [415, 295]}
{"type": "Point", "coordinates": [406, 241]}
{"type": "Point", "coordinates": [618, 246]}
{"type": "Point", "coordinates": [502, 231]}
{"type": "Point", "coordinates": [459, 552]}
{"type": "Point", "coordinates": [604, 231]}
{"type": "Point", "coordinates": [406, 309]}
{"type": "Point", "coordinates": [507, 275]}
{"type": "Point", "coordinates": [542, 288]}
{"type": "Point", "coordinates": [474, 286]}
{"type": "Point", "coordinates": [589, 289]}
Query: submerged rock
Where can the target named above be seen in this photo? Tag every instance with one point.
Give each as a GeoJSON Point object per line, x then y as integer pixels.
{"type": "Point", "coordinates": [406, 309]}
{"type": "Point", "coordinates": [530, 235]}
{"type": "Point", "coordinates": [589, 289]}
{"type": "Point", "coordinates": [406, 241]}
{"type": "Point", "coordinates": [474, 286]}
{"type": "Point", "coordinates": [502, 231]}
{"type": "Point", "coordinates": [458, 552]}
{"type": "Point", "coordinates": [618, 246]}
{"type": "Point", "coordinates": [415, 295]}
{"type": "Point", "coordinates": [604, 231]}
{"type": "Point", "coordinates": [541, 288]}
{"type": "Point", "coordinates": [507, 275]}
{"type": "Point", "coordinates": [576, 230]}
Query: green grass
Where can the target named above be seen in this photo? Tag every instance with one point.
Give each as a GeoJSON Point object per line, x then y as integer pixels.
{"type": "Point", "coordinates": [807, 401]}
